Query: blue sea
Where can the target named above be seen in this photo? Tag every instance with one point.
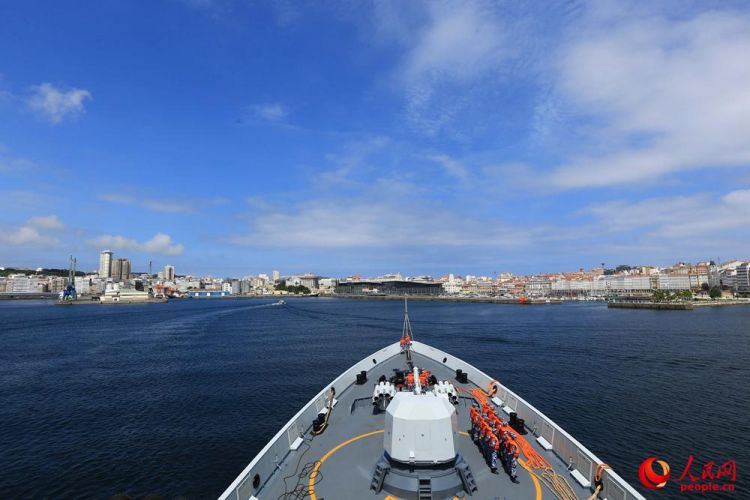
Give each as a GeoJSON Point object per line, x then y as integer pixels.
{"type": "Point", "coordinates": [175, 399]}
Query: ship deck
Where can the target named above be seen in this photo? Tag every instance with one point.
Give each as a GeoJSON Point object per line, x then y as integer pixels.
{"type": "Point", "coordinates": [342, 459]}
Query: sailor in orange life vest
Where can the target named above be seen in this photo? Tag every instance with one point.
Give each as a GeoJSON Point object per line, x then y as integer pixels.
{"type": "Point", "coordinates": [405, 342]}
{"type": "Point", "coordinates": [474, 414]}
{"type": "Point", "coordinates": [494, 445]}
{"type": "Point", "coordinates": [510, 451]}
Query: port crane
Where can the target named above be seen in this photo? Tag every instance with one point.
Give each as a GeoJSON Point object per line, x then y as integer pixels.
{"type": "Point", "coordinates": [70, 290]}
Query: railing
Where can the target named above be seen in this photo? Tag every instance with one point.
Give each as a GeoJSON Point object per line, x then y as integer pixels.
{"type": "Point", "coordinates": [568, 449]}
{"type": "Point", "coordinates": [254, 476]}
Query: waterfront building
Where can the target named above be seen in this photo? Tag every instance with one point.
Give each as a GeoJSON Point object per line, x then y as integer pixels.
{"type": "Point", "coordinates": [452, 286]}
{"type": "Point", "coordinates": [673, 282]}
{"type": "Point", "coordinates": [742, 279]}
{"type": "Point", "coordinates": [293, 281]}
{"type": "Point", "coordinates": [20, 283]}
{"type": "Point", "coordinates": [121, 269]}
{"type": "Point", "coordinates": [115, 295]}
{"type": "Point", "coordinates": [310, 281]}
{"type": "Point", "coordinates": [82, 284]}
{"type": "Point", "coordinates": [327, 285]}
{"type": "Point", "coordinates": [388, 287]}
{"type": "Point", "coordinates": [168, 273]}
{"type": "Point", "coordinates": [56, 284]}
{"type": "Point", "coordinates": [538, 286]}
{"type": "Point", "coordinates": [276, 276]}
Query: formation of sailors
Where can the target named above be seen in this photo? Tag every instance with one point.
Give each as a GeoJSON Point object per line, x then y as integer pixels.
{"type": "Point", "coordinates": [425, 378]}
{"type": "Point", "coordinates": [405, 342]}
{"type": "Point", "coordinates": [496, 439]}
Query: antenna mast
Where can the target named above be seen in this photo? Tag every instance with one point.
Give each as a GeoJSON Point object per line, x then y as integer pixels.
{"type": "Point", "coordinates": [407, 324]}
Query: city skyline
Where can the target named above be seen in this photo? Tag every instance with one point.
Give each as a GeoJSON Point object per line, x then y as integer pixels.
{"type": "Point", "coordinates": [230, 139]}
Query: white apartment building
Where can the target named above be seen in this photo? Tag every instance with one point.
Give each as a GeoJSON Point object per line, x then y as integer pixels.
{"type": "Point", "coordinates": [673, 282]}
{"type": "Point", "coordinates": [742, 280]}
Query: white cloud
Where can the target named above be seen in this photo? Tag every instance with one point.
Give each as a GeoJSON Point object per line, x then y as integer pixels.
{"type": "Point", "coordinates": [679, 220]}
{"type": "Point", "coordinates": [666, 95]}
{"type": "Point", "coordinates": [46, 222]}
{"type": "Point", "coordinates": [351, 161]}
{"type": "Point", "coordinates": [15, 165]}
{"type": "Point", "coordinates": [452, 167]}
{"type": "Point", "coordinates": [155, 204]}
{"type": "Point", "coordinates": [160, 244]}
{"type": "Point", "coordinates": [273, 112]}
{"type": "Point", "coordinates": [459, 42]}
{"type": "Point", "coordinates": [35, 232]}
{"type": "Point", "coordinates": [56, 104]}
{"type": "Point", "coordinates": [448, 47]}
{"type": "Point", "coordinates": [739, 199]}
{"type": "Point", "coordinates": [387, 223]}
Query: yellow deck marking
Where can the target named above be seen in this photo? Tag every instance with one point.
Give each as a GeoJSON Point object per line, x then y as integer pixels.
{"type": "Point", "coordinates": [314, 473]}
{"type": "Point", "coordinates": [537, 486]}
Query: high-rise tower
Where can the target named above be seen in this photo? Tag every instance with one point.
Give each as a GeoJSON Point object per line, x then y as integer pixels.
{"type": "Point", "coordinates": [105, 264]}
{"type": "Point", "coordinates": [168, 273]}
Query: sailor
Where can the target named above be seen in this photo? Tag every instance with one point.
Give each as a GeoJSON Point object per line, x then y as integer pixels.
{"type": "Point", "coordinates": [410, 379]}
{"type": "Point", "coordinates": [494, 447]}
{"type": "Point", "coordinates": [486, 442]}
{"type": "Point", "coordinates": [513, 460]}
{"type": "Point", "coordinates": [504, 449]}
{"type": "Point", "coordinates": [474, 414]}
{"type": "Point", "coordinates": [403, 343]}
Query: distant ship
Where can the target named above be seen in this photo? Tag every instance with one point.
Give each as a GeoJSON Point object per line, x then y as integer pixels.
{"type": "Point", "coordinates": [413, 422]}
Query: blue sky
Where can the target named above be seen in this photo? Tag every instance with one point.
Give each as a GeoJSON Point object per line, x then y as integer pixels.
{"type": "Point", "coordinates": [232, 137]}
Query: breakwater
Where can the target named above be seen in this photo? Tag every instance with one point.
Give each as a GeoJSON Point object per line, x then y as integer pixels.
{"type": "Point", "coordinates": [677, 306]}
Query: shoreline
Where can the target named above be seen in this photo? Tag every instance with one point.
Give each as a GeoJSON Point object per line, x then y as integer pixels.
{"type": "Point", "coordinates": [438, 298]}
